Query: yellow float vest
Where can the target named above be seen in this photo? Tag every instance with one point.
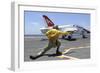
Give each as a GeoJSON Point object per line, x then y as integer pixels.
{"type": "Point", "coordinates": [53, 34]}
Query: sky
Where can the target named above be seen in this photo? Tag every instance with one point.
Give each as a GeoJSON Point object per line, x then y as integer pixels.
{"type": "Point", "coordinates": [33, 20]}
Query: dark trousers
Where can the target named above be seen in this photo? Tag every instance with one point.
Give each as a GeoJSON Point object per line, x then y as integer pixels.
{"type": "Point", "coordinates": [51, 44]}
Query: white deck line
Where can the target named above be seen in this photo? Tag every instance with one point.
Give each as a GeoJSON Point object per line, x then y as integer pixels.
{"type": "Point", "coordinates": [69, 57]}
{"type": "Point", "coordinates": [68, 49]}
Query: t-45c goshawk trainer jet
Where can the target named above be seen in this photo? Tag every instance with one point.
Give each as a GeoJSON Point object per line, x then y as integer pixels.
{"type": "Point", "coordinates": [64, 28]}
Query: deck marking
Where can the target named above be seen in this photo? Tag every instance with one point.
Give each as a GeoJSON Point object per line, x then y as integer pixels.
{"type": "Point", "coordinates": [68, 49]}
{"type": "Point", "coordinates": [69, 57]}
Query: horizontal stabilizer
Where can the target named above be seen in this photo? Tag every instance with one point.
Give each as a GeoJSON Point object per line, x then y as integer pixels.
{"type": "Point", "coordinates": [83, 29]}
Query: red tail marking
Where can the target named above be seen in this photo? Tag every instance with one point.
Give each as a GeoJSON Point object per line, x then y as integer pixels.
{"type": "Point", "coordinates": [48, 21]}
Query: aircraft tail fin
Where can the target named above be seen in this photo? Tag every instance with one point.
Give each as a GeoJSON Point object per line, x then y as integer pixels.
{"type": "Point", "coordinates": [48, 21]}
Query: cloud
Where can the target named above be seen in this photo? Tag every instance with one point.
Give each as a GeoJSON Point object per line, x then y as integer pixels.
{"type": "Point", "coordinates": [33, 28]}
{"type": "Point", "coordinates": [34, 23]}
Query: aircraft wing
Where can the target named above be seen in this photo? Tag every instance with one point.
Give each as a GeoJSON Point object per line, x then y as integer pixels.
{"type": "Point", "coordinates": [65, 28]}
{"type": "Point", "coordinates": [44, 30]}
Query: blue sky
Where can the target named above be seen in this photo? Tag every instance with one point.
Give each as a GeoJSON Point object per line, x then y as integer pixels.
{"type": "Point", "coordinates": [33, 21]}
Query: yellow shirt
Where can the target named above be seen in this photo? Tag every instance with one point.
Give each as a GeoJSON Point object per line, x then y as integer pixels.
{"type": "Point", "coordinates": [54, 34]}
